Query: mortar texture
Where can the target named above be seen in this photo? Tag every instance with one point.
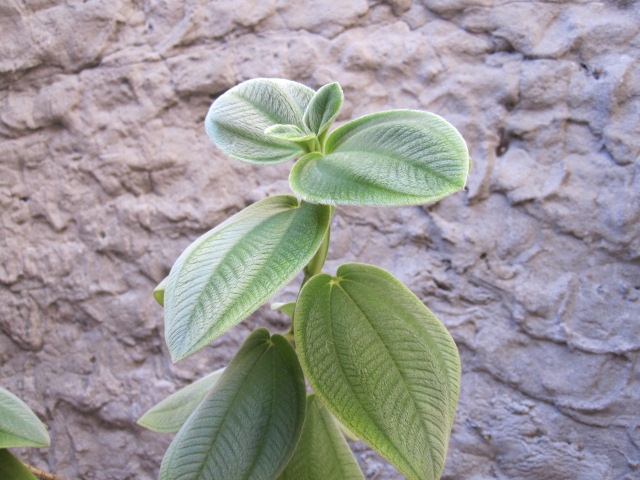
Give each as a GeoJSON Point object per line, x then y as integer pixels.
{"type": "Point", "coordinates": [106, 175]}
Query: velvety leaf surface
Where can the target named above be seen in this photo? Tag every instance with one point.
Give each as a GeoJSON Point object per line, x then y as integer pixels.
{"type": "Point", "coordinates": [322, 452]}
{"type": "Point", "coordinates": [400, 157]}
{"type": "Point", "coordinates": [171, 413]}
{"type": "Point", "coordinates": [232, 270]}
{"type": "Point", "coordinates": [237, 120]}
{"type": "Point", "coordinates": [249, 424]}
{"type": "Point", "coordinates": [382, 363]}
{"type": "Point", "coordinates": [12, 469]}
{"type": "Point", "coordinates": [19, 426]}
{"type": "Point", "coordinates": [323, 108]}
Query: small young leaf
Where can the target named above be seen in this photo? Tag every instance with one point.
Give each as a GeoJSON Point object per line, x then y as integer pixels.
{"type": "Point", "coordinates": [237, 120]}
{"type": "Point", "coordinates": [288, 132]}
{"type": "Point", "coordinates": [323, 109]}
{"type": "Point", "coordinates": [12, 469]}
{"type": "Point", "coordinates": [229, 272]}
{"type": "Point", "coordinates": [19, 426]}
{"type": "Point", "coordinates": [286, 308]}
{"type": "Point", "coordinates": [382, 363]}
{"type": "Point", "coordinates": [400, 157]}
{"type": "Point", "coordinates": [322, 452]}
{"type": "Point", "coordinates": [248, 426]}
{"type": "Point", "coordinates": [171, 413]}
{"type": "Point", "coordinates": [158, 292]}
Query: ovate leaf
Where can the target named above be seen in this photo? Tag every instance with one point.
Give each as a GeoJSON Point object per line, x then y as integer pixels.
{"type": "Point", "coordinates": [171, 413]}
{"type": "Point", "coordinates": [19, 426]}
{"type": "Point", "coordinates": [400, 157]}
{"type": "Point", "coordinates": [288, 132]}
{"type": "Point", "coordinates": [322, 452]}
{"type": "Point", "coordinates": [232, 270]}
{"type": "Point", "coordinates": [382, 363]}
{"type": "Point", "coordinates": [12, 469]}
{"type": "Point", "coordinates": [237, 120]}
{"type": "Point", "coordinates": [158, 292]}
{"type": "Point", "coordinates": [247, 427]}
{"type": "Point", "coordinates": [323, 109]}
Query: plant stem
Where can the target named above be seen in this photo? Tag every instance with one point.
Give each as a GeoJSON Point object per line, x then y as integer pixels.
{"type": "Point", "coordinates": [314, 267]}
{"type": "Point", "coordinates": [42, 475]}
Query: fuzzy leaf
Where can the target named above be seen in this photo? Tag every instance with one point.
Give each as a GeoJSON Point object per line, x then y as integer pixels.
{"type": "Point", "coordinates": [19, 426]}
{"type": "Point", "coordinates": [382, 363]}
{"type": "Point", "coordinates": [249, 424]}
{"type": "Point", "coordinates": [322, 452]}
{"type": "Point", "coordinates": [400, 157]}
{"type": "Point", "coordinates": [171, 413]}
{"type": "Point", "coordinates": [12, 469]}
{"type": "Point", "coordinates": [229, 272]}
{"type": "Point", "coordinates": [323, 109]}
{"type": "Point", "coordinates": [237, 120]}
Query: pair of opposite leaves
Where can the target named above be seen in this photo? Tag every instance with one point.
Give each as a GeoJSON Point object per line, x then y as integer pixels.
{"type": "Point", "coordinates": [374, 354]}
{"type": "Point", "coordinates": [391, 158]}
{"type": "Point", "coordinates": [19, 427]}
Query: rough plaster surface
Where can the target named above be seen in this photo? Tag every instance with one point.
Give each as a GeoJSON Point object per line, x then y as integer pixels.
{"type": "Point", "coordinates": [106, 175]}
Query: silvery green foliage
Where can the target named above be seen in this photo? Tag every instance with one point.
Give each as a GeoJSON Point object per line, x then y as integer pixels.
{"type": "Point", "coordinates": [383, 368]}
{"type": "Point", "coordinates": [19, 426]}
{"type": "Point", "coordinates": [171, 413]}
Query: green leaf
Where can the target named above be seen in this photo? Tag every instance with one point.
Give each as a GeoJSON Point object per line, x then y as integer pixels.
{"type": "Point", "coordinates": [19, 426]}
{"type": "Point", "coordinates": [158, 292]}
{"type": "Point", "coordinates": [229, 272]}
{"type": "Point", "coordinates": [288, 132]}
{"type": "Point", "coordinates": [401, 157]}
{"type": "Point", "coordinates": [322, 452]}
{"type": "Point", "coordinates": [249, 424]}
{"type": "Point", "coordinates": [323, 109]}
{"type": "Point", "coordinates": [171, 413]}
{"type": "Point", "coordinates": [237, 120]}
{"type": "Point", "coordinates": [286, 308]}
{"type": "Point", "coordinates": [12, 469]}
{"type": "Point", "coordinates": [347, 432]}
{"type": "Point", "coordinates": [382, 363]}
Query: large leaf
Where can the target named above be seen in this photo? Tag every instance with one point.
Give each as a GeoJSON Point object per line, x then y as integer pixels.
{"type": "Point", "coordinates": [249, 424]}
{"type": "Point", "coordinates": [171, 413]}
{"type": "Point", "coordinates": [237, 121]}
{"type": "Point", "coordinates": [322, 452]}
{"type": "Point", "coordinates": [382, 363]}
{"type": "Point", "coordinates": [19, 426]}
{"type": "Point", "coordinates": [401, 157]}
{"type": "Point", "coordinates": [232, 270]}
{"type": "Point", "coordinates": [323, 109]}
{"type": "Point", "coordinates": [12, 469]}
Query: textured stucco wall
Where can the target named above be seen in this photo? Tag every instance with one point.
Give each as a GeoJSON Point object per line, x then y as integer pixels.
{"type": "Point", "coordinates": [106, 174]}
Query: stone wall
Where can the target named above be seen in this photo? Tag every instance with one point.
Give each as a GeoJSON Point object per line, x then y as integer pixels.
{"type": "Point", "coordinates": [106, 174]}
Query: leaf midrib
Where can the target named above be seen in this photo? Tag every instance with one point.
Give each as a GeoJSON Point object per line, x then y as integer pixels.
{"type": "Point", "coordinates": [230, 253]}
{"type": "Point", "coordinates": [231, 404]}
{"type": "Point", "coordinates": [395, 364]}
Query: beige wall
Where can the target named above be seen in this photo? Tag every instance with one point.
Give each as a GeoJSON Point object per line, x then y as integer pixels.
{"type": "Point", "coordinates": [106, 174]}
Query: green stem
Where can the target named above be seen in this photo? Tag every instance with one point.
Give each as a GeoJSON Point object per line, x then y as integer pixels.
{"type": "Point", "coordinates": [314, 267]}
